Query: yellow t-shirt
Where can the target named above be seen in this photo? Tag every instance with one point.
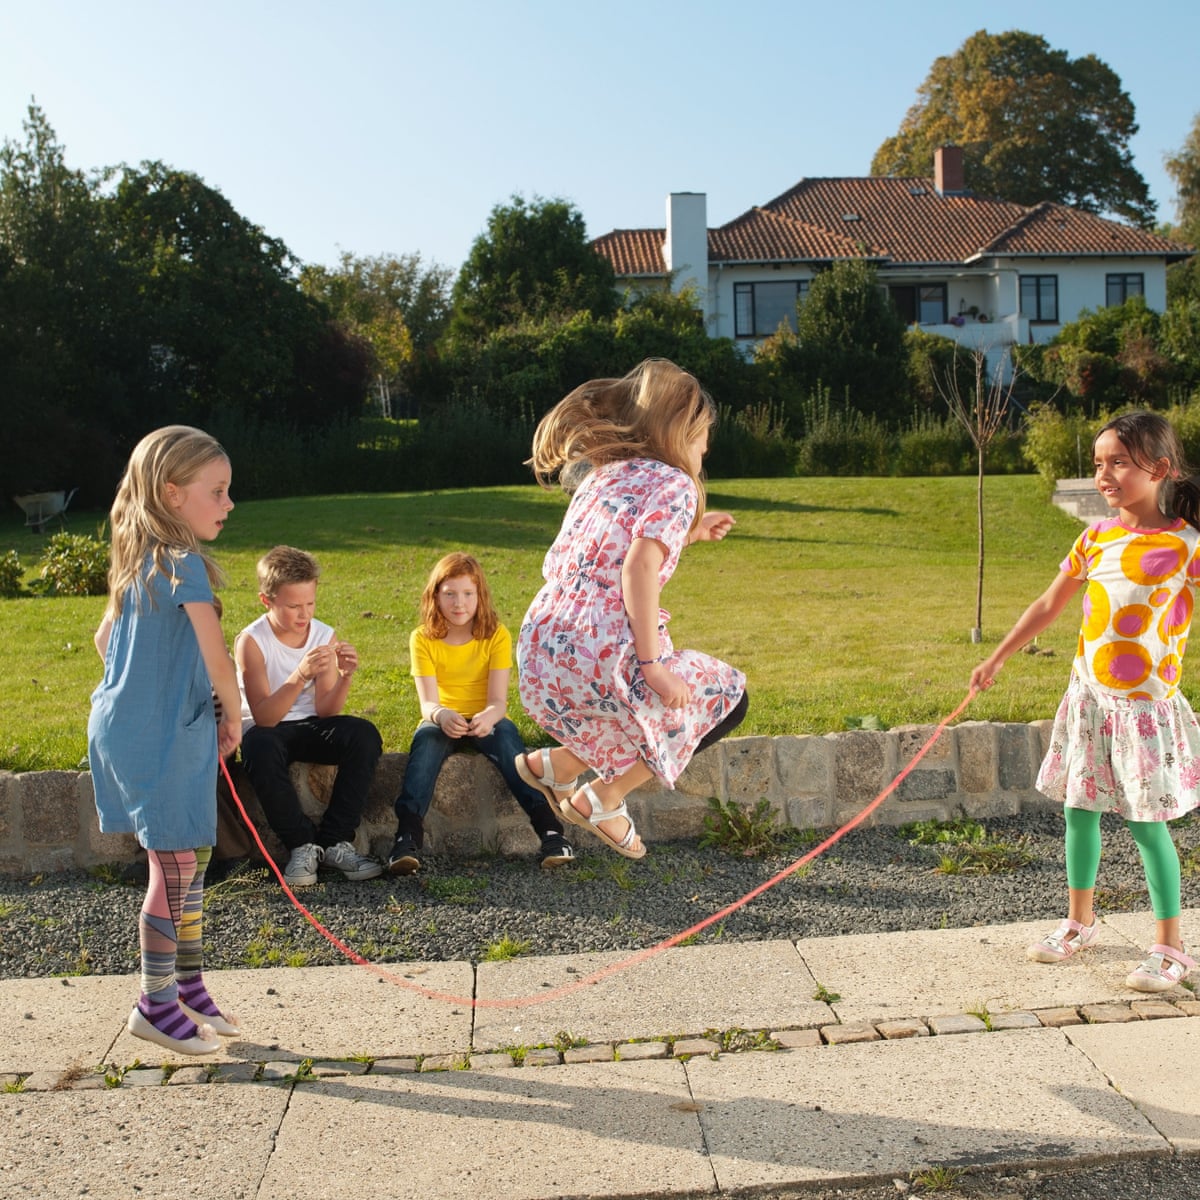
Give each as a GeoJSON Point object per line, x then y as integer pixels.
{"type": "Point", "coordinates": [461, 671]}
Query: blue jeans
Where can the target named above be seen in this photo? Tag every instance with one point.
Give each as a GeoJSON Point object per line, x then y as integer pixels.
{"type": "Point", "coordinates": [430, 749]}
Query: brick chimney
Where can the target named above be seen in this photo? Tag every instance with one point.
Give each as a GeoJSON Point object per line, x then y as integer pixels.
{"type": "Point", "coordinates": [948, 171]}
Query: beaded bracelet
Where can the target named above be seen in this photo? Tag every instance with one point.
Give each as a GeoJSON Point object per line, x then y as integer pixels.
{"type": "Point", "coordinates": [649, 662]}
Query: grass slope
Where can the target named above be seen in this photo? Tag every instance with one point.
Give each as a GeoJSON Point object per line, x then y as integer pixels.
{"type": "Point", "coordinates": [838, 597]}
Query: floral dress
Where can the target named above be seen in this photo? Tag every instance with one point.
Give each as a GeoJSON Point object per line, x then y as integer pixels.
{"type": "Point", "coordinates": [1125, 738]}
{"type": "Point", "coordinates": [579, 678]}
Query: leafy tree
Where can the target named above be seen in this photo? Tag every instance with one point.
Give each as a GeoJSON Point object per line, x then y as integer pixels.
{"type": "Point", "coordinates": [1184, 168]}
{"type": "Point", "coordinates": [1034, 125]}
{"type": "Point", "coordinates": [534, 260]}
{"type": "Point", "coordinates": [399, 306]}
{"type": "Point", "coordinates": [849, 342]}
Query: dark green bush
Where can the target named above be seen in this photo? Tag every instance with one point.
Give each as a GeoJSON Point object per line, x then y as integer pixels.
{"type": "Point", "coordinates": [841, 441]}
{"type": "Point", "coordinates": [751, 444]}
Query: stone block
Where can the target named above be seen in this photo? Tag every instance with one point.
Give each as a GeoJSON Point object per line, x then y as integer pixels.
{"type": "Point", "coordinates": [796, 1039]}
{"type": "Point", "coordinates": [598, 1052]}
{"type": "Point", "coordinates": [907, 1028]}
{"type": "Point", "coordinates": [641, 1051]}
{"type": "Point", "coordinates": [698, 1045]}
{"type": "Point", "coordinates": [491, 1062]}
{"type": "Point", "coordinates": [1108, 1014]}
{"type": "Point", "coordinates": [1056, 1018]}
{"type": "Point", "coordinates": [517, 840]}
{"type": "Point", "coordinates": [314, 785]}
{"type": "Point", "coordinates": [1155, 1010]}
{"type": "Point", "coordinates": [544, 1057]}
{"type": "Point", "coordinates": [845, 1035]}
{"type": "Point", "coordinates": [675, 820]}
{"type": "Point", "coordinates": [48, 807]}
{"type": "Point", "coordinates": [47, 860]}
{"type": "Point", "coordinates": [749, 770]}
{"type": "Point", "coordinates": [385, 786]}
{"type": "Point", "coordinates": [931, 784]}
{"type": "Point", "coordinates": [956, 1023]}
{"type": "Point", "coordinates": [860, 768]}
{"type": "Point", "coordinates": [1018, 1019]}
{"type": "Point", "coordinates": [805, 767]}
{"type": "Point", "coordinates": [7, 807]}
{"type": "Point", "coordinates": [704, 775]}
{"type": "Point", "coordinates": [976, 745]}
{"type": "Point", "coordinates": [993, 804]}
{"type": "Point", "coordinates": [455, 796]}
{"type": "Point", "coordinates": [911, 738]}
{"type": "Point", "coordinates": [809, 812]}
{"type": "Point", "coordinates": [1016, 760]}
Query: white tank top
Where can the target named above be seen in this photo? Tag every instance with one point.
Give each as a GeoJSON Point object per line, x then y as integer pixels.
{"type": "Point", "coordinates": [281, 661]}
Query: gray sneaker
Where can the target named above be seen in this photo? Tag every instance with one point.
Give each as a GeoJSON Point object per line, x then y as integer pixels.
{"type": "Point", "coordinates": [302, 866]}
{"type": "Point", "coordinates": [343, 857]}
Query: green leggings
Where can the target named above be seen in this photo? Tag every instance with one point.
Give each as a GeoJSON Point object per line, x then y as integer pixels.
{"type": "Point", "coordinates": [1159, 857]}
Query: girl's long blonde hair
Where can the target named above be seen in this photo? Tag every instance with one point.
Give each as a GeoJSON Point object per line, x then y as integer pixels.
{"type": "Point", "coordinates": [143, 522]}
{"type": "Point", "coordinates": [653, 412]}
{"type": "Point", "coordinates": [487, 619]}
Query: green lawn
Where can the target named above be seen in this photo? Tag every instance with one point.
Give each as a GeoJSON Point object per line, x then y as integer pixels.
{"type": "Point", "coordinates": [838, 597]}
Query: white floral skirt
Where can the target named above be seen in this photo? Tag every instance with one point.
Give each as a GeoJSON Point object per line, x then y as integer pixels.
{"type": "Point", "coordinates": [1138, 758]}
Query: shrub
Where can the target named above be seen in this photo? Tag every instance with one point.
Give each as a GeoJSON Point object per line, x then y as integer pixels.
{"type": "Point", "coordinates": [841, 441]}
{"type": "Point", "coordinates": [11, 572]}
{"type": "Point", "coordinates": [934, 446]}
{"type": "Point", "coordinates": [751, 444]}
{"type": "Point", "coordinates": [74, 564]}
{"type": "Point", "coordinates": [1059, 446]}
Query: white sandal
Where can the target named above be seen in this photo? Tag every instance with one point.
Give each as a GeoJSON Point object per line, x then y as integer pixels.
{"type": "Point", "coordinates": [545, 783]}
{"type": "Point", "coordinates": [569, 812]}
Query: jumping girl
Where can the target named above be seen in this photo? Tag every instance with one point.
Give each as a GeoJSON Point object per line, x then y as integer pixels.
{"type": "Point", "coordinates": [152, 740]}
{"type": "Point", "coordinates": [597, 668]}
{"type": "Point", "coordinates": [1125, 738]}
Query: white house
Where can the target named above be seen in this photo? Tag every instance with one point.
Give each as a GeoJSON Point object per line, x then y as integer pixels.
{"type": "Point", "coordinates": [982, 271]}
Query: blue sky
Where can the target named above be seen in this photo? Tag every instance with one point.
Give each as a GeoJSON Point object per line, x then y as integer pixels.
{"type": "Point", "coordinates": [394, 127]}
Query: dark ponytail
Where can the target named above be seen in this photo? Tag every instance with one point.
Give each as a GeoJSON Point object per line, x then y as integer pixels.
{"type": "Point", "coordinates": [1185, 500]}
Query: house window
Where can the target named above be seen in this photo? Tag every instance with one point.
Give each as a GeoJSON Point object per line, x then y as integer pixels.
{"type": "Point", "coordinates": [760, 307]}
{"type": "Point", "coordinates": [923, 304]}
{"type": "Point", "coordinates": [1118, 288]}
{"type": "Point", "coordinates": [1039, 297]}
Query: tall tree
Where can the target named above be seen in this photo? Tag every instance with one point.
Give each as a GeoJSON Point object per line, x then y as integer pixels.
{"type": "Point", "coordinates": [1034, 124]}
{"type": "Point", "coordinates": [398, 305]}
{"type": "Point", "coordinates": [1184, 168]}
{"type": "Point", "coordinates": [533, 261]}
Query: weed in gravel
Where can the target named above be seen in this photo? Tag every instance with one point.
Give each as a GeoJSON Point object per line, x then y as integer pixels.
{"type": "Point", "coordinates": [983, 1013]}
{"type": "Point", "coordinates": [824, 996]}
{"type": "Point", "coordinates": [110, 875]}
{"type": "Point", "coordinates": [987, 858]}
{"type": "Point", "coordinates": [11, 1089]}
{"type": "Point", "coordinates": [937, 1178]}
{"type": "Point", "coordinates": [505, 948]}
{"type": "Point", "coordinates": [454, 889]}
{"type": "Point", "coordinates": [1120, 899]}
{"type": "Point", "coordinates": [937, 833]}
{"type": "Point", "coordinates": [9, 907]}
{"type": "Point", "coordinates": [751, 832]}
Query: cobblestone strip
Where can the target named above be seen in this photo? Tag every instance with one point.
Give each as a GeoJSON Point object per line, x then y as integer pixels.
{"type": "Point", "coordinates": [711, 1044]}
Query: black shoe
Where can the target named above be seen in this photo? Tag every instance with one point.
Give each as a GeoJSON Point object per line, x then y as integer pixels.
{"type": "Point", "coordinates": [403, 859]}
{"type": "Point", "coordinates": [556, 850]}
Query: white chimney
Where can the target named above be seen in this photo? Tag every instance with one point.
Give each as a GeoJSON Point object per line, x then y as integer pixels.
{"type": "Point", "coordinates": [686, 248]}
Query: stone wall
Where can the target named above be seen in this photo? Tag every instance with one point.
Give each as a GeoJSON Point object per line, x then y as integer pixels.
{"type": "Point", "coordinates": [976, 769]}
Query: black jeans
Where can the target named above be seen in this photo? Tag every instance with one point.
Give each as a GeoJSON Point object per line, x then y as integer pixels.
{"type": "Point", "coordinates": [351, 744]}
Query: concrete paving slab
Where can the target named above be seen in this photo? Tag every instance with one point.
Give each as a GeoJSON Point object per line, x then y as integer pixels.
{"type": "Point", "coordinates": [685, 990]}
{"type": "Point", "coordinates": [1153, 1065]}
{"type": "Point", "coordinates": [153, 1142]}
{"type": "Point", "coordinates": [875, 1112]}
{"type": "Point", "coordinates": [522, 1134]}
{"type": "Point", "coordinates": [331, 1012]}
{"type": "Point", "coordinates": [933, 971]}
{"type": "Point", "coordinates": [48, 1024]}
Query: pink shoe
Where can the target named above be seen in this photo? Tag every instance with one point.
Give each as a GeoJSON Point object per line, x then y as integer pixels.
{"type": "Point", "coordinates": [1163, 968]}
{"type": "Point", "coordinates": [1068, 938]}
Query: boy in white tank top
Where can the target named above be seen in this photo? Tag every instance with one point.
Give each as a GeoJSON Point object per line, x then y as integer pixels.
{"type": "Point", "coordinates": [294, 678]}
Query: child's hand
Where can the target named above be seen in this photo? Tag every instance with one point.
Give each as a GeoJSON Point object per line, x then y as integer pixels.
{"type": "Point", "coordinates": [229, 735]}
{"type": "Point", "coordinates": [452, 724]}
{"type": "Point", "coordinates": [316, 662]}
{"type": "Point", "coordinates": [984, 675]}
{"type": "Point", "coordinates": [347, 659]}
{"type": "Point", "coordinates": [670, 688]}
{"type": "Point", "coordinates": [713, 527]}
{"type": "Point", "coordinates": [482, 723]}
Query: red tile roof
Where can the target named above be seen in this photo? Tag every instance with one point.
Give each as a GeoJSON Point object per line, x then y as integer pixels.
{"type": "Point", "coordinates": [899, 221]}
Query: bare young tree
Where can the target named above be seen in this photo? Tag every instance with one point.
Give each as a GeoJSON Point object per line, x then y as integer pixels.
{"type": "Point", "coordinates": [980, 407]}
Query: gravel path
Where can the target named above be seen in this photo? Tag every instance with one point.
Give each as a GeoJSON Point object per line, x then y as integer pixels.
{"type": "Point", "coordinates": [873, 879]}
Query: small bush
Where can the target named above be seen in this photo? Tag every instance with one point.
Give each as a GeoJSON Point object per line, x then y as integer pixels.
{"type": "Point", "coordinates": [841, 441]}
{"type": "Point", "coordinates": [732, 826]}
{"type": "Point", "coordinates": [934, 446]}
{"type": "Point", "coordinates": [11, 573]}
{"type": "Point", "coordinates": [1059, 446]}
{"type": "Point", "coordinates": [74, 564]}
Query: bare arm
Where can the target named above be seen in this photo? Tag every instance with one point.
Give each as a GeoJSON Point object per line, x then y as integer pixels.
{"type": "Point", "coordinates": [639, 585]}
{"type": "Point", "coordinates": [483, 722]}
{"type": "Point", "coordinates": [712, 528]}
{"type": "Point", "coordinates": [266, 707]}
{"type": "Point", "coordinates": [221, 674]}
{"type": "Point", "coordinates": [103, 633]}
{"type": "Point", "coordinates": [1038, 616]}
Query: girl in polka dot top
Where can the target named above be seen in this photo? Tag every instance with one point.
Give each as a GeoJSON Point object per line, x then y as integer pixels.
{"type": "Point", "coordinates": [1125, 739]}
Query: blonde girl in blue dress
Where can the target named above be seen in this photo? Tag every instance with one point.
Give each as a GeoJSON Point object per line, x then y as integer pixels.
{"type": "Point", "coordinates": [152, 738]}
{"type": "Point", "coordinates": [1125, 739]}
